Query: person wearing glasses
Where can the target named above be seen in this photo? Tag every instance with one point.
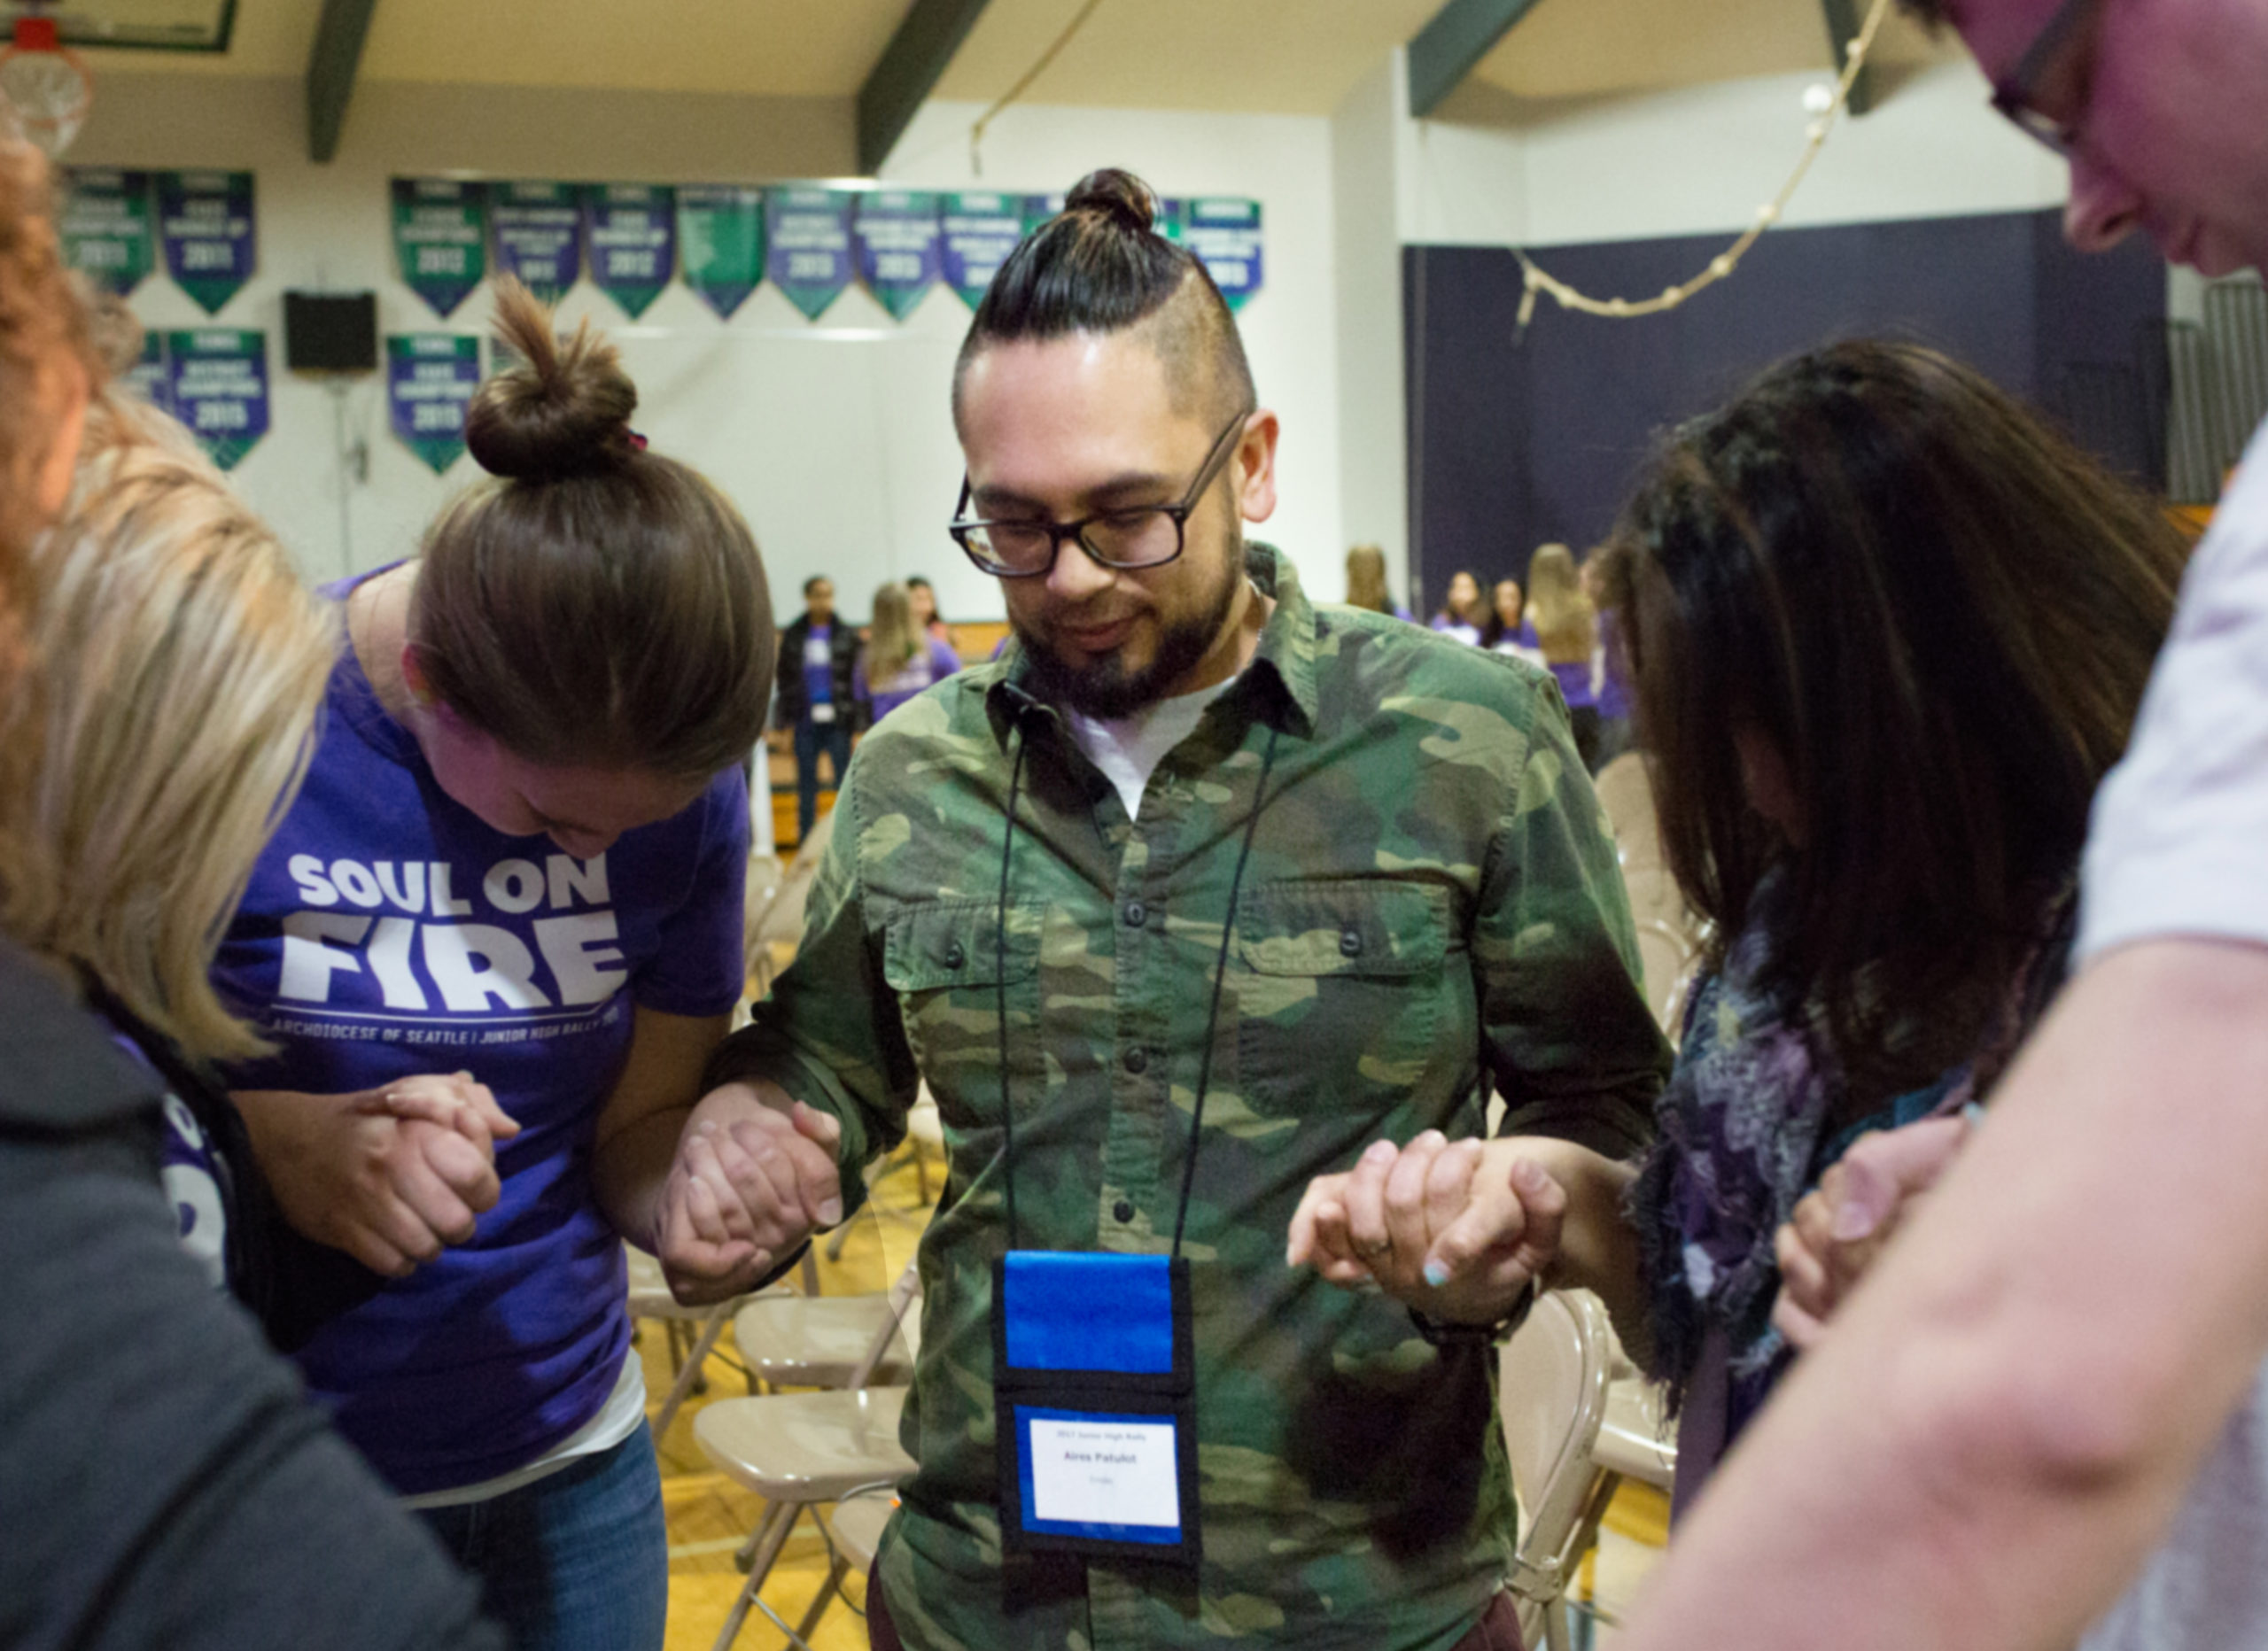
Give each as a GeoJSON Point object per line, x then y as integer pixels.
{"type": "Point", "coordinates": [1201, 888]}
{"type": "Point", "coordinates": [2050, 1389]}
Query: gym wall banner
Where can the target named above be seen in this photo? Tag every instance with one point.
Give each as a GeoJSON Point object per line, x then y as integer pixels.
{"type": "Point", "coordinates": [151, 377]}
{"type": "Point", "coordinates": [633, 229]}
{"type": "Point", "coordinates": [206, 220]}
{"type": "Point", "coordinates": [538, 230]}
{"type": "Point", "coordinates": [431, 378]}
{"type": "Point", "coordinates": [219, 387]}
{"type": "Point", "coordinates": [1224, 235]}
{"type": "Point", "coordinates": [899, 247]}
{"type": "Point", "coordinates": [720, 235]}
{"type": "Point", "coordinates": [106, 228]}
{"type": "Point", "coordinates": [981, 230]}
{"type": "Point", "coordinates": [807, 255]}
{"type": "Point", "coordinates": [440, 238]}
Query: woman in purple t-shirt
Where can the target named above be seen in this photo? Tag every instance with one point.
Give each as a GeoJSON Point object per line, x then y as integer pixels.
{"type": "Point", "coordinates": [902, 657]}
{"type": "Point", "coordinates": [519, 854]}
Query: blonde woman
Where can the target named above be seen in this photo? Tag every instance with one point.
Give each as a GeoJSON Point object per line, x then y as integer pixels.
{"type": "Point", "coordinates": [901, 658]}
{"type": "Point", "coordinates": [1366, 582]}
{"type": "Point", "coordinates": [179, 665]}
{"type": "Point", "coordinates": [1567, 629]}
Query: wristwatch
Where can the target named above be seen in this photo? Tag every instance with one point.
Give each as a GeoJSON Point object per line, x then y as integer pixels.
{"type": "Point", "coordinates": [1444, 1333]}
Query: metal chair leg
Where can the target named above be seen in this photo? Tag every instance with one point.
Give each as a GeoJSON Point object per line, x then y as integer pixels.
{"type": "Point", "coordinates": [763, 1548]}
{"type": "Point", "coordinates": [689, 1375]}
{"type": "Point", "coordinates": [820, 1600]}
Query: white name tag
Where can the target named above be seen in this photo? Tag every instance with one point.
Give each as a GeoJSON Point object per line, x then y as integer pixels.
{"type": "Point", "coordinates": [824, 711]}
{"type": "Point", "coordinates": [1115, 1473]}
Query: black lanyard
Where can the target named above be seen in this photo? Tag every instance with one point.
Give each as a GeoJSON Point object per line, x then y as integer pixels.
{"type": "Point", "coordinates": [1212, 1015]}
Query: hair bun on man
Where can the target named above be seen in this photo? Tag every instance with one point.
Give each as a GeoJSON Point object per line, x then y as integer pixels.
{"type": "Point", "coordinates": [1119, 196]}
{"type": "Point", "coordinates": [564, 411]}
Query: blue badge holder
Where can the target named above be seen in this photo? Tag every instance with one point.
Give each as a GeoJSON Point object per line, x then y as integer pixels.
{"type": "Point", "coordinates": [1099, 1344]}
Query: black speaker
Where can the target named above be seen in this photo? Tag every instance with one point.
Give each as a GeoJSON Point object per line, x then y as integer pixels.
{"type": "Point", "coordinates": [330, 332]}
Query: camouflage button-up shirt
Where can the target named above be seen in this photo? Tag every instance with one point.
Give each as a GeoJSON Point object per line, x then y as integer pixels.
{"type": "Point", "coordinates": [1431, 891]}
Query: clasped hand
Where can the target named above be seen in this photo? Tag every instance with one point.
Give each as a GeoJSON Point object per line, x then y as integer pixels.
{"type": "Point", "coordinates": [1456, 1229]}
{"type": "Point", "coordinates": [753, 1179]}
{"type": "Point", "coordinates": [390, 1175]}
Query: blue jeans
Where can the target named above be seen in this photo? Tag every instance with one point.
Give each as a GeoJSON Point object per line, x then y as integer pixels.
{"type": "Point", "coordinates": [812, 739]}
{"type": "Point", "coordinates": [580, 1560]}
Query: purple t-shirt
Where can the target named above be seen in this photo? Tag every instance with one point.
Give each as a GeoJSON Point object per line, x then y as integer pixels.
{"type": "Point", "coordinates": [925, 670]}
{"type": "Point", "coordinates": [819, 668]}
{"type": "Point", "coordinates": [1575, 684]}
{"type": "Point", "coordinates": [387, 931]}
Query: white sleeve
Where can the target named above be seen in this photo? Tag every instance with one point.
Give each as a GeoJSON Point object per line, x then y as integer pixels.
{"type": "Point", "coordinates": [2178, 843]}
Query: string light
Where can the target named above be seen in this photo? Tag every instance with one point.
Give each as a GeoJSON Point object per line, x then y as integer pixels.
{"type": "Point", "coordinates": [977, 132]}
{"type": "Point", "coordinates": [1539, 281]}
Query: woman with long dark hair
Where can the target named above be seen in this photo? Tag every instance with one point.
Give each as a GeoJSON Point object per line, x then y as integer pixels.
{"type": "Point", "coordinates": [1887, 632]}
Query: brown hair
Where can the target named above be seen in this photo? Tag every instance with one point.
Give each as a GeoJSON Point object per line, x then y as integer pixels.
{"type": "Point", "coordinates": [1101, 266]}
{"type": "Point", "coordinates": [1566, 627]}
{"type": "Point", "coordinates": [597, 604]}
{"type": "Point", "coordinates": [1366, 579]}
{"type": "Point", "coordinates": [1941, 616]}
{"type": "Point", "coordinates": [894, 640]}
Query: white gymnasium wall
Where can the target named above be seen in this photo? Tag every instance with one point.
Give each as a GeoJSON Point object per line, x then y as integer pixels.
{"type": "Point", "coordinates": [834, 437]}
{"type": "Point", "coordinates": [1374, 469]}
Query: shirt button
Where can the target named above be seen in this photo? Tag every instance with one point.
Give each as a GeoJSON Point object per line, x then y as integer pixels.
{"type": "Point", "coordinates": [955, 956]}
{"type": "Point", "coordinates": [1137, 1060]}
{"type": "Point", "coordinates": [1136, 914]}
{"type": "Point", "coordinates": [1122, 1211]}
{"type": "Point", "coordinates": [1350, 944]}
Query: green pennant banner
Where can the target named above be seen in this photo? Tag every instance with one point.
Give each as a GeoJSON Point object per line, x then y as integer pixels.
{"type": "Point", "coordinates": [431, 378]}
{"type": "Point", "coordinates": [981, 230]}
{"type": "Point", "coordinates": [633, 229]}
{"type": "Point", "coordinates": [1224, 235]}
{"type": "Point", "coordinates": [107, 231]}
{"type": "Point", "coordinates": [537, 229]}
{"type": "Point", "coordinates": [720, 233]}
{"type": "Point", "coordinates": [807, 244]}
{"type": "Point", "coordinates": [219, 389]}
{"type": "Point", "coordinates": [900, 241]}
{"type": "Point", "coordinates": [206, 220]}
{"type": "Point", "coordinates": [439, 239]}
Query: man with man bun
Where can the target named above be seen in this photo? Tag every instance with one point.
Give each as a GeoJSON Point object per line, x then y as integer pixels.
{"type": "Point", "coordinates": [1199, 891]}
{"type": "Point", "coordinates": [2051, 1389]}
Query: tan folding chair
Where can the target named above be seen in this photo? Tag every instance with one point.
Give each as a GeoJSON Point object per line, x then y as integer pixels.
{"type": "Point", "coordinates": [798, 1450]}
{"type": "Point", "coordinates": [692, 1331]}
{"type": "Point", "coordinates": [798, 1341]}
{"type": "Point", "coordinates": [1576, 1423]}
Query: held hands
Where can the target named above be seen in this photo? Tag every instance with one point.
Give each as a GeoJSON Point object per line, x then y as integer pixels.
{"type": "Point", "coordinates": [754, 1177]}
{"type": "Point", "coordinates": [1838, 1230]}
{"type": "Point", "coordinates": [1456, 1230]}
{"type": "Point", "coordinates": [391, 1175]}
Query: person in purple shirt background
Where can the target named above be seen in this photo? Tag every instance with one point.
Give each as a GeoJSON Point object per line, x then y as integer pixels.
{"type": "Point", "coordinates": [519, 856]}
{"type": "Point", "coordinates": [1610, 673]}
{"type": "Point", "coordinates": [1462, 613]}
{"type": "Point", "coordinates": [1508, 630]}
{"type": "Point", "coordinates": [901, 658]}
{"type": "Point", "coordinates": [817, 699]}
{"type": "Point", "coordinates": [1567, 629]}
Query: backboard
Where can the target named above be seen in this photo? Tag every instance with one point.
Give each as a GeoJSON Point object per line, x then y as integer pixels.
{"type": "Point", "coordinates": [144, 25]}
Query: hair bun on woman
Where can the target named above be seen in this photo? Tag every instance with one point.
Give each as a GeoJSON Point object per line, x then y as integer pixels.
{"type": "Point", "coordinates": [564, 411]}
{"type": "Point", "coordinates": [1119, 196]}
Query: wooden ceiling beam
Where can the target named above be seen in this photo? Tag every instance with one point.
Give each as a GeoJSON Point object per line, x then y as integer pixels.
{"type": "Point", "coordinates": [907, 72]}
{"type": "Point", "coordinates": [1445, 50]}
{"type": "Point", "coordinates": [333, 64]}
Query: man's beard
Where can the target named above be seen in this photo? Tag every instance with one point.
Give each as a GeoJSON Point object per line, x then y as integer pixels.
{"type": "Point", "coordinates": [1105, 689]}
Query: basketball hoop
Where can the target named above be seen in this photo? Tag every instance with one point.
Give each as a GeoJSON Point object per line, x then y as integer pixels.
{"type": "Point", "coordinates": [45, 84]}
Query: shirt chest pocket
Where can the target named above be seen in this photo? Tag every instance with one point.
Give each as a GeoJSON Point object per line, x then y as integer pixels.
{"type": "Point", "coordinates": [946, 965]}
{"type": "Point", "coordinates": [1345, 990]}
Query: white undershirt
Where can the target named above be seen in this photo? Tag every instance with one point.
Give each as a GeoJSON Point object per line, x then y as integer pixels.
{"type": "Point", "coordinates": [1130, 749]}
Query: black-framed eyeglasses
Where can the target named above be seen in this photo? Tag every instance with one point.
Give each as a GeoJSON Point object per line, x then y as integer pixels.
{"type": "Point", "coordinates": [2051, 113]}
{"type": "Point", "coordinates": [1138, 536]}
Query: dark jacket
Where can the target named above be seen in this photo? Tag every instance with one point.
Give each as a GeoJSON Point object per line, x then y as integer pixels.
{"type": "Point", "coordinates": [791, 705]}
{"type": "Point", "coordinates": [162, 1480]}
